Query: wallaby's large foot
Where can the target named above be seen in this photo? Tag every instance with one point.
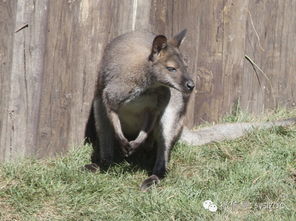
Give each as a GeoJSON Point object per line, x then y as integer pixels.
{"type": "Point", "coordinates": [92, 167]}
{"type": "Point", "coordinates": [149, 182]}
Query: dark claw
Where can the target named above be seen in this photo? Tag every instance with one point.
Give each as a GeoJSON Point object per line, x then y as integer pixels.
{"type": "Point", "coordinates": [149, 182]}
{"type": "Point", "coordinates": [91, 167]}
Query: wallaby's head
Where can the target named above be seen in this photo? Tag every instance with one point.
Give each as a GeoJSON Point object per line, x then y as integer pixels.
{"type": "Point", "coordinates": [168, 66]}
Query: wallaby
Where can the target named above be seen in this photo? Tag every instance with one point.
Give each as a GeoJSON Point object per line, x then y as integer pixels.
{"type": "Point", "coordinates": [140, 100]}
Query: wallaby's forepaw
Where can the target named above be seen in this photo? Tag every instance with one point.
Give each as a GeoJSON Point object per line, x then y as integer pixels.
{"type": "Point", "coordinates": [133, 145]}
{"type": "Point", "coordinates": [125, 147]}
{"type": "Point", "coordinates": [93, 167]}
{"type": "Point", "coordinates": [149, 182]}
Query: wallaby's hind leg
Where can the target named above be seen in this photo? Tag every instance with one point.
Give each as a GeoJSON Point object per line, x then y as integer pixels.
{"type": "Point", "coordinates": [164, 145]}
{"type": "Point", "coordinates": [160, 165]}
{"type": "Point", "coordinates": [92, 139]}
{"type": "Point", "coordinates": [166, 135]}
{"type": "Point", "coordinates": [95, 157]}
{"type": "Point", "coordinates": [105, 134]}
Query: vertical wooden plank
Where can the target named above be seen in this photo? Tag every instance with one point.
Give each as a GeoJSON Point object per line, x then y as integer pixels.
{"type": "Point", "coordinates": [17, 109]}
{"type": "Point", "coordinates": [287, 82]}
{"type": "Point", "coordinates": [271, 28]}
{"type": "Point", "coordinates": [7, 19]}
{"type": "Point", "coordinates": [26, 69]}
{"type": "Point", "coordinates": [209, 61]}
{"type": "Point", "coordinates": [141, 15]}
{"type": "Point", "coordinates": [234, 26]}
{"type": "Point", "coordinates": [161, 17]}
{"type": "Point", "coordinates": [121, 15]}
{"type": "Point", "coordinates": [254, 85]}
{"type": "Point", "coordinates": [66, 72]}
{"type": "Point", "coordinates": [85, 52]}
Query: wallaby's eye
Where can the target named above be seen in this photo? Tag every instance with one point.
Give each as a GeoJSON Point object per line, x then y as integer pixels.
{"type": "Point", "coordinates": [171, 69]}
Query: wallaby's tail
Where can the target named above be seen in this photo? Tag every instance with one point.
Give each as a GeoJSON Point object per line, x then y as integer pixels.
{"type": "Point", "coordinates": [227, 131]}
{"type": "Point", "coordinates": [90, 134]}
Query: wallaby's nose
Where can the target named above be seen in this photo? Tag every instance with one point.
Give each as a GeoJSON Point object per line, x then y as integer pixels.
{"type": "Point", "coordinates": [190, 85]}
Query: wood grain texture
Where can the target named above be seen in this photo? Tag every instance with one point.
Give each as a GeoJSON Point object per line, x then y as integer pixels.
{"type": "Point", "coordinates": [7, 20]}
{"type": "Point", "coordinates": [21, 107]}
{"type": "Point", "coordinates": [50, 53]}
{"type": "Point", "coordinates": [270, 42]}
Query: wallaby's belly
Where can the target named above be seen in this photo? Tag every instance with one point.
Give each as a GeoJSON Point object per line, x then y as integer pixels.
{"type": "Point", "coordinates": [132, 114]}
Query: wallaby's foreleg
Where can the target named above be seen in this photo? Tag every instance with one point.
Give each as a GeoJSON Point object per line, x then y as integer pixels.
{"type": "Point", "coordinates": [148, 124]}
{"type": "Point", "coordinates": [124, 144]}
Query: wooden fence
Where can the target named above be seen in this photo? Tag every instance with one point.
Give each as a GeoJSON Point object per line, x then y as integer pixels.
{"type": "Point", "coordinates": [239, 51]}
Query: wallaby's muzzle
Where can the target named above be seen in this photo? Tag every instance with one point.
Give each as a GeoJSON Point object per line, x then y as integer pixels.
{"type": "Point", "coordinates": [189, 85]}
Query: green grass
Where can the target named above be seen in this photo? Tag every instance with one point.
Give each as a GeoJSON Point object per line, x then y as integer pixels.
{"type": "Point", "coordinates": [251, 178]}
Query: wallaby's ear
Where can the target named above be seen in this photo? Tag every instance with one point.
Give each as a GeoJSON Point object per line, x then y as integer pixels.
{"type": "Point", "coordinates": [178, 38]}
{"type": "Point", "coordinates": [160, 42]}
